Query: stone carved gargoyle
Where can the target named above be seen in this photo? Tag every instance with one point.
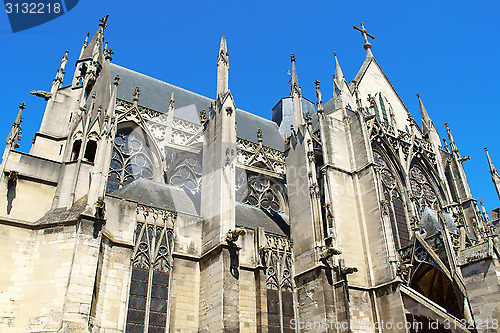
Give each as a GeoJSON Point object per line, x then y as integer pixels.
{"type": "Point", "coordinates": [100, 208]}
{"type": "Point", "coordinates": [40, 93]}
{"type": "Point", "coordinates": [329, 252]}
{"type": "Point", "coordinates": [348, 270]}
{"type": "Point", "coordinates": [233, 235]}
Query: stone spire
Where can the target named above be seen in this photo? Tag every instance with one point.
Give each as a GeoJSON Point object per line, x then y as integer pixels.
{"type": "Point", "coordinates": [485, 213]}
{"type": "Point", "coordinates": [319, 97]}
{"type": "Point", "coordinates": [60, 71]}
{"type": "Point", "coordinates": [365, 34]}
{"type": "Point", "coordinates": [452, 144]}
{"type": "Point", "coordinates": [170, 117]}
{"type": "Point", "coordinates": [222, 68]}
{"type": "Point", "coordinates": [428, 127]}
{"type": "Point", "coordinates": [339, 83]}
{"type": "Point", "coordinates": [84, 46]}
{"type": "Point", "coordinates": [296, 94]}
{"type": "Point", "coordinates": [15, 132]}
{"type": "Point", "coordinates": [495, 178]}
{"type": "Point", "coordinates": [94, 49]}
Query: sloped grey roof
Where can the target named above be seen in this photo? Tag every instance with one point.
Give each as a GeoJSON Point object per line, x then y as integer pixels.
{"type": "Point", "coordinates": [248, 124]}
{"type": "Point", "coordinates": [155, 94]}
{"type": "Point", "coordinates": [151, 193]}
{"type": "Point", "coordinates": [253, 218]}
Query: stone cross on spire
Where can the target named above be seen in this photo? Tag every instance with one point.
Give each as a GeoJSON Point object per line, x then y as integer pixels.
{"type": "Point", "coordinates": [103, 21]}
{"type": "Point", "coordinates": [365, 34]}
{"type": "Point", "coordinates": [109, 54]}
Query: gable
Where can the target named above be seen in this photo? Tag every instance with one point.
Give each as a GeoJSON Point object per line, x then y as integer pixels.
{"type": "Point", "coordinates": [372, 80]}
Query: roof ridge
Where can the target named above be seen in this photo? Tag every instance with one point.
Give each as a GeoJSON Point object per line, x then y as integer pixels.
{"type": "Point", "coordinates": [160, 81]}
{"type": "Point", "coordinates": [187, 91]}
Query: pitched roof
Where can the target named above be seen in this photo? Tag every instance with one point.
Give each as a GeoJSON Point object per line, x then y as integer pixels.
{"type": "Point", "coordinates": [253, 218]}
{"type": "Point", "coordinates": [155, 94]}
{"type": "Point", "coordinates": [159, 195]}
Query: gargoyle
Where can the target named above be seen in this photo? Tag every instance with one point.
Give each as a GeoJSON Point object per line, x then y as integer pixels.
{"type": "Point", "coordinates": [100, 208]}
{"type": "Point", "coordinates": [330, 252]}
{"type": "Point", "coordinates": [40, 93]}
{"type": "Point", "coordinates": [233, 235]}
{"type": "Point", "coordinates": [348, 270]}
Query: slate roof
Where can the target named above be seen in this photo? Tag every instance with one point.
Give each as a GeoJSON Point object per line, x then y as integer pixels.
{"type": "Point", "coordinates": [253, 217]}
{"type": "Point", "coordinates": [159, 195]}
{"type": "Point", "coordinates": [155, 94]}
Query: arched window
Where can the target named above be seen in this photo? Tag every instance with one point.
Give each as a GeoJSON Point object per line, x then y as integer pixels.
{"type": "Point", "coordinates": [75, 152]}
{"type": "Point", "coordinates": [260, 191]}
{"type": "Point", "coordinates": [392, 195]}
{"type": "Point", "coordinates": [151, 271]}
{"type": "Point", "coordinates": [130, 159]}
{"type": "Point", "coordinates": [277, 259]}
{"type": "Point", "coordinates": [424, 194]}
{"type": "Point", "coordinates": [90, 151]}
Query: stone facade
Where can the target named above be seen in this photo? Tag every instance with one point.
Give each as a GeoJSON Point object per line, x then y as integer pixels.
{"type": "Point", "coordinates": [143, 207]}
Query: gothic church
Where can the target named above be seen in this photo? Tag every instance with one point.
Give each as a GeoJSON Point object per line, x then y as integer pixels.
{"type": "Point", "coordinates": [144, 207]}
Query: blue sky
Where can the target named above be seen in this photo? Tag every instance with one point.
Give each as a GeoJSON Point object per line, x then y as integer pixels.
{"type": "Point", "coordinates": [446, 50]}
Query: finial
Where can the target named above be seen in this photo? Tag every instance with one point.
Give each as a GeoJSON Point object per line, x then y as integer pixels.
{"type": "Point", "coordinates": [103, 21]}
{"type": "Point", "coordinates": [172, 101]}
{"type": "Point", "coordinates": [259, 135]}
{"type": "Point", "coordinates": [446, 124]}
{"type": "Point", "coordinates": [319, 98]}
{"type": "Point", "coordinates": [86, 41]}
{"type": "Point", "coordinates": [418, 95]}
{"type": "Point", "coordinates": [109, 54]}
{"type": "Point", "coordinates": [137, 93]}
{"type": "Point", "coordinates": [117, 79]}
{"type": "Point", "coordinates": [292, 57]}
{"type": "Point", "coordinates": [22, 105]}
{"type": "Point", "coordinates": [365, 34]}
{"type": "Point", "coordinates": [308, 118]}
{"type": "Point", "coordinates": [203, 117]}
{"type": "Point", "coordinates": [485, 148]}
{"type": "Point", "coordinates": [334, 54]}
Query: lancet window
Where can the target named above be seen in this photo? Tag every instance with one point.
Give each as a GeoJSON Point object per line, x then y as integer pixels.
{"type": "Point", "coordinates": [395, 202]}
{"type": "Point", "coordinates": [151, 271]}
{"type": "Point", "coordinates": [277, 259]}
{"type": "Point", "coordinates": [130, 159]}
{"type": "Point", "coordinates": [423, 193]}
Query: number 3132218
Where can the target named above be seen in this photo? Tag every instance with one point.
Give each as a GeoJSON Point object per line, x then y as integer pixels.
{"type": "Point", "coordinates": [32, 8]}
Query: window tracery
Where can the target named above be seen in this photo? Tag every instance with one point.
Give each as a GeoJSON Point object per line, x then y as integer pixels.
{"type": "Point", "coordinates": [130, 160]}
{"type": "Point", "coordinates": [422, 191]}
{"type": "Point", "coordinates": [184, 170]}
{"type": "Point", "coordinates": [395, 201]}
{"type": "Point", "coordinates": [260, 191]}
{"type": "Point", "coordinates": [151, 270]}
{"type": "Point", "coordinates": [277, 259]}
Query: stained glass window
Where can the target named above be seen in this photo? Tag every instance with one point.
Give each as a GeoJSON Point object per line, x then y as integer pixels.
{"type": "Point", "coordinates": [130, 159]}
{"type": "Point", "coordinates": [151, 269]}
{"type": "Point", "coordinates": [260, 191]}
{"type": "Point", "coordinates": [392, 195]}
{"type": "Point", "coordinates": [280, 304]}
{"type": "Point", "coordinates": [422, 190]}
